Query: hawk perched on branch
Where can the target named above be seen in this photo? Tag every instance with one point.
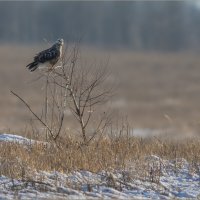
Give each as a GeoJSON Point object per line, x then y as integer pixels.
{"type": "Point", "coordinates": [48, 57]}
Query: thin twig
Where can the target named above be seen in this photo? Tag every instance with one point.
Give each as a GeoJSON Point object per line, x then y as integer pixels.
{"type": "Point", "coordinates": [26, 104]}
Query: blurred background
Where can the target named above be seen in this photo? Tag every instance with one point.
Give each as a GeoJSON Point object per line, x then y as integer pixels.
{"type": "Point", "coordinates": [169, 26]}
{"type": "Point", "coordinates": [153, 48]}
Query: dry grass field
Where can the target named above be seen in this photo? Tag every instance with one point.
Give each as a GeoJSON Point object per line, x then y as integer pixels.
{"type": "Point", "coordinates": [155, 90]}
{"type": "Point", "coordinates": [104, 154]}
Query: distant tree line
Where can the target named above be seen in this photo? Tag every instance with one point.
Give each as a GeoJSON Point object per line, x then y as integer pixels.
{"type": "Point", "coordinates": [164, 25]}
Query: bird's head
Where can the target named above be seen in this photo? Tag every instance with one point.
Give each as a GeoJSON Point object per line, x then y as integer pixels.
{"type": "Point", "coordinates": [60, 42]}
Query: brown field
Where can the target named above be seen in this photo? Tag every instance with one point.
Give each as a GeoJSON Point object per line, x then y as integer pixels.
{"type": "Point", "coordinates": [155, 90]}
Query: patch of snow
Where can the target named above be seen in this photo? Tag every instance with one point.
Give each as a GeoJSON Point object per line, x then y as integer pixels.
{"type": "Point", "coordinates": [4, 137]}
{"type": "Point", "coordinates": [146, 132]}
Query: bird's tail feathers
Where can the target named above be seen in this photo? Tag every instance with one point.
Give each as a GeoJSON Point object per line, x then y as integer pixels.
{"type": "Point", "coordinates": [32, 66]}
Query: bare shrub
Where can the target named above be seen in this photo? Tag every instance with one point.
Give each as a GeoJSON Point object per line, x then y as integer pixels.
{"type": "Point", "coordinates": [78, 87]}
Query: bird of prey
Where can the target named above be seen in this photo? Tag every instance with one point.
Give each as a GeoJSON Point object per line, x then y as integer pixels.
{"type": "Point", "coordinates": [47, 58]}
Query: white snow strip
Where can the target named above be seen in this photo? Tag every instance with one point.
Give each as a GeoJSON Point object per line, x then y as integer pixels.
{"type": "Point", "coordinates": [4, 137]}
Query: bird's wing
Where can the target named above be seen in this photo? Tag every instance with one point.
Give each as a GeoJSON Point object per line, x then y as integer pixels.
{"type": "Point", "coordinates": [47, 55]}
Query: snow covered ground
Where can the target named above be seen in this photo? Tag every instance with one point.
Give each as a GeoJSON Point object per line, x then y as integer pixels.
{"type": "Point", "coordinates": [87, 185]}
{"type": "Point", "coordinates": [4, 137]}
{"type": "Point", "coordinates": [14, 138]}
{"type": "Point", "coordinates": [163, 180]}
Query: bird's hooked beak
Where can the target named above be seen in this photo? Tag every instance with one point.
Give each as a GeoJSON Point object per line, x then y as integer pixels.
{"type": "Point", "coordinates": [60, 41]}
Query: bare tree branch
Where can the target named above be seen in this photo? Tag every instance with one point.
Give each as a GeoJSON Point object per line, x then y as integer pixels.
{"type": "Point", "coordinates": [42, 122]}
{"type": "Point", "coordinates": [78, 86]}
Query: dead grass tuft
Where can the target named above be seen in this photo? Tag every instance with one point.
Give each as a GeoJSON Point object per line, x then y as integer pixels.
{"type": "Point", "coordinates": [105, 153]}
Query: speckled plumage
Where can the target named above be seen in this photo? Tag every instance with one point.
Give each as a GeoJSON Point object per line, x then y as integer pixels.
{"type": "Point", "coordinates": [49, 56]}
